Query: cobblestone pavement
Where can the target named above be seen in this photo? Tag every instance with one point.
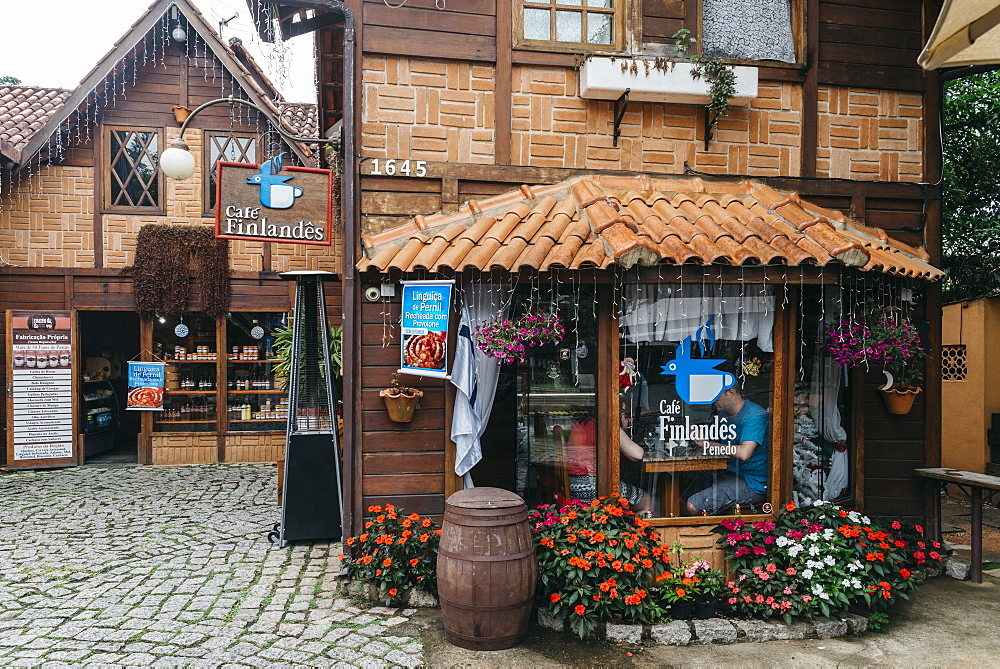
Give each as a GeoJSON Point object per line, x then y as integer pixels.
{"type": "Point", "coordinates": [168, 566]}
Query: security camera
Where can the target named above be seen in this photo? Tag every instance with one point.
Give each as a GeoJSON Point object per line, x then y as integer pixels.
{"type": "Point", "coordinates": [373, 293]}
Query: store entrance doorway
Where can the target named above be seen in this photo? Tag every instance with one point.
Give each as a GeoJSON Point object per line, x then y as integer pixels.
{"type": "Point", "coordinates": [108, 340]}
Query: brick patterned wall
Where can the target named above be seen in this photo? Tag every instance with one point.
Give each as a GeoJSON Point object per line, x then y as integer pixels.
{"type": "Point", "coordinates": [49, 222]}
{"type": "Point", "coordinates": [427, 110]}
{"type": "Point", "coordinates": [554, 127]}
{"type": "Point", "coordinates": [870, 135]}
{"type": "Point", "coordinates": [49, 219]}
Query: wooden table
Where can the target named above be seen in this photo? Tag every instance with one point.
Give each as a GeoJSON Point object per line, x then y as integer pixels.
{"type": "Point", "coordinates": [977, 483]}
{"type": "Point", "coordinates": [669, 486]}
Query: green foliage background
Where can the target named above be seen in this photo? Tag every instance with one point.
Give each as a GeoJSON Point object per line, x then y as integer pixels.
{"type": "Point", "coordinates": [971, 188]}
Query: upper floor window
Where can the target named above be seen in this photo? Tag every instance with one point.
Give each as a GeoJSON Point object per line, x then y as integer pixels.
{"type": "Point", "coordinates": [134, 179]}
{"type": "Point", "coordinates": [560, 23]}
{"type": "Point", "coordinates": [748, 29]}
{"type": "Point", "coordinates": [229, 147]}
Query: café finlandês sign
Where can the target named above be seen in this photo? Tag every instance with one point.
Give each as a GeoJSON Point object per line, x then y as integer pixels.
{"type": "Point", "coordinates": [272, 203]}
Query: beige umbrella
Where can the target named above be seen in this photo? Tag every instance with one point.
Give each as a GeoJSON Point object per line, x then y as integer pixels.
{"type": "Point", "coordinates": [967, 32]}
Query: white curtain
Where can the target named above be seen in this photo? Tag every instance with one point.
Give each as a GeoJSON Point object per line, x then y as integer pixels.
{"type": "Point", "coordinates": [671, 312]}
{"type": "Point", "coordinates": [748, 29]}
{"type": "Point", "coordinates": [824, 393]}
{"type": "Point", "coordinates": [474, 374]}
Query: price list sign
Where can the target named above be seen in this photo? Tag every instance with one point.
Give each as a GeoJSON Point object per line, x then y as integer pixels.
{"type": "Point", "coordinates": [42, 381]}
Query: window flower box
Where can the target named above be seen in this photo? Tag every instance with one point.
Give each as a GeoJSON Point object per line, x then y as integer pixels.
{"type": "Point", "coordinates": [656, 80]}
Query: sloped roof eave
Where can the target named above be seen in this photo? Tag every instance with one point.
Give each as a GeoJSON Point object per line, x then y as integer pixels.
{"type": "Point", "coordinates": [692, 231]}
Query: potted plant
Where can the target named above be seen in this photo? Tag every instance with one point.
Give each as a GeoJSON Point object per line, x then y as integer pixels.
{"type": "Point", "coordinates": [400, 401]}
{"type": "Point", "coordinates": [886, 338]}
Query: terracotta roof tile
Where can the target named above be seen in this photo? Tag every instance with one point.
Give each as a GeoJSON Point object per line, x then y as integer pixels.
{"type": "Point", "coordinates": [596, 221]}
{"type": "Point", "coordinates": [23, 111]}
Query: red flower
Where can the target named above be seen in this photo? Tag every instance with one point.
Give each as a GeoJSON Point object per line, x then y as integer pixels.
{"type": "Point", "coordinates": [554, 597]}
{"type": "Point", "coordinates": [896, 525]}
{"type": "Point", "coordinates": [790, 506]}
{"type": "Point", "coordinates": [580, 609]}
{"type": "Point", "coordinates": [387, 562]}
{"type": "Point", "coordinates": [392, 592]}
{"type": "Point", "coordinates": [905, 573]}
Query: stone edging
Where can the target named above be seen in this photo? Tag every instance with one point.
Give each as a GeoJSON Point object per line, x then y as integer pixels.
{"type": "Point", "coordinates": [717, 630]}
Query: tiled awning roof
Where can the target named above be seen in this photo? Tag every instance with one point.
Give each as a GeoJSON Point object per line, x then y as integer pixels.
{"type": "Point", "coordinates": [597, 221]}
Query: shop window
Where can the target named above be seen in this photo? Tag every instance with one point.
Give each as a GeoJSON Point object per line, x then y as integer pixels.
{"type": "Point", "coordinates": [748, 30]}
{"type": "Point", "coordinates": [695, 387]}
{"type": "Point", "coordinates": [188, 344]}
{"type": "Point", "coordinates": [228, 147]}
{"type": "Point", "coordinates": [256, 399]}
{"type": "Point", "coordinates": [570, 23]}
{"type": "Point", "coordinates": [953, 363]}
{"type": "Point", "coordinates": [821, 444]}
{"type": "Point", "coordinates": [133, 181]}
{"type": "Point", "coordinates": [542, 438]}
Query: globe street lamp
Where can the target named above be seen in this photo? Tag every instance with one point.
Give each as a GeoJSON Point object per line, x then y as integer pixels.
{"type": "Point", "coordinates": [178, 163]}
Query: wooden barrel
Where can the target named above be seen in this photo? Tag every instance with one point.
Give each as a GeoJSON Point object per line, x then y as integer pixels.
{"type": "Point", "coordinates": [486, 569]}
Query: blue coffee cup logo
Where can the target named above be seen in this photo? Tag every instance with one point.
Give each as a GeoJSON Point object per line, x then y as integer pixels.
{"type": "Point", "coordinates": [698, 380]}
{"type": "Point", "coordinates": [275, 193]}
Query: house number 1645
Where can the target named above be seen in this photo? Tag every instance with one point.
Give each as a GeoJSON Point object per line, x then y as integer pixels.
{"type": "Point", "coordinates": [391, 167]}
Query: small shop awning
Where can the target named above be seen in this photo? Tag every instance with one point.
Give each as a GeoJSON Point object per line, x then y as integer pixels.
{"type": "Point", "coordinates": [967, 32]}
{"type": "Point", "coordinates": [597, 221]}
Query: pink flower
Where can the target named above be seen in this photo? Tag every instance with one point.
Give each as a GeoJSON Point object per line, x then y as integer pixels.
{"type": "Point", "coordinates": [791, 571]}
{"type": "Point", "coordinates": [732, 600]}
{"type": "Point", "coordinates": [787, 591]}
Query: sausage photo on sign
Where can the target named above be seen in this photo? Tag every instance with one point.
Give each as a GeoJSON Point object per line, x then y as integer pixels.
{"type": "Point", "coordinates": [425, 351]}
{"type": "Point", "coordinates": [145, 397]}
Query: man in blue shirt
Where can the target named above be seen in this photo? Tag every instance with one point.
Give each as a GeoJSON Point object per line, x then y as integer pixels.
{"type": "Point", "coordinates": [744, 480]}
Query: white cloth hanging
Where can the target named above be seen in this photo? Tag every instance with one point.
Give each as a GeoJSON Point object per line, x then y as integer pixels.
{"type": "Point", "coordinates": [671, 312]}
{"type": "Point", "coordinates": [474, 375]}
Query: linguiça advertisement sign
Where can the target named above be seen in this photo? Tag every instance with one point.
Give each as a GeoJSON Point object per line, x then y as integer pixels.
{"type": "Point", "coordinates": [426, 306]}
{"type": "Point", "coordinates": [145, 386]}
{"type": "Point", "coordinates": [273, 203]}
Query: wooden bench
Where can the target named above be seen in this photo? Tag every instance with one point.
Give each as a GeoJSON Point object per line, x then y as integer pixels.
{"type": "Point", "coordinates": [976, 483]}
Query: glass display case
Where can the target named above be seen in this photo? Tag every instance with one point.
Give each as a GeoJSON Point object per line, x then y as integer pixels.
{"type": "Point", "coordinates": [100, 420]}
{"type": "Point", "coordinates": [256, 399]}
{"type": "Point", "coordinates": [190, 397]}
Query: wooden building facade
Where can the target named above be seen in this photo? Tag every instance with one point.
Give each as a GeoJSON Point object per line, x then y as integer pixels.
{"type": "Point", "coordinates": [80, 179]}
{"type": "Point", "coordinates": [485, 97]}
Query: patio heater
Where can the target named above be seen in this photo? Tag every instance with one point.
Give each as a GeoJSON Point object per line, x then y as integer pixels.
{"type": "Point", "coordinates": [311, 503]}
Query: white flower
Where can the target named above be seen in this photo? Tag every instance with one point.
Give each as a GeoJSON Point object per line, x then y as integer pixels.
{"type": "Point", "coordinates": [782, 541]}
{"type": "Point", "coordinates": [856, 583]}
{"type": "Point", "coordinates": [829, 560]}
{"type": "Point", "coordinates": [795, 550]}
{"type": "Point", "coordinates": [814, 564]}
{"type": "Point", "coordinates": [807, 573]}
{"type": "Point", "coordinates": [866, 520]}
{"type": "Point", "coordinates": [814, 550]}
{"type": "Point", "coordinates": [817, 589]}
{"type": "Point", "coordinates": [828, 534]}
{"type": "Point", "coordinates": [823, 595]}
{"type": "Point", "coordinates": [846, 583]}
{"type": "Point", "coordinates": [854, 516]}
{"type": "Point", "coordinates": [818, 502]}
{"type": "Point", "coordinates": [854, 566]}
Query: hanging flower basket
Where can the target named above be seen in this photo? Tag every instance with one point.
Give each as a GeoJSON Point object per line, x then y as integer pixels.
{"type": "Point", "coordinates": [899, 402]}
{"type": "Point", "coordinates": [881, 338]}
{"type": "Point", "coordinates": [400, 401]}
{"type": "Point", "coordinates": [507, 339]}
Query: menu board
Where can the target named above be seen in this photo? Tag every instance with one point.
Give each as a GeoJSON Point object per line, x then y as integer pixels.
{"type": "Point", "coordinates": [42, 375]}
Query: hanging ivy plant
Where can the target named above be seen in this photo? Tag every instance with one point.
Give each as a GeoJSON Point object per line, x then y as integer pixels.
{"type": "Point", "coordinates": [720, 75]}
{"type": "Point", "coordinates": [166, 254]}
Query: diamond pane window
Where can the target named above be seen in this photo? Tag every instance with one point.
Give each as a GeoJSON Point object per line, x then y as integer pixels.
{"type": "Point", "coordinates": [229, 148]}
{"type": "Point", "coordinates": [134, 179]}
{"type": "Point", "coordinates": [571, 22]}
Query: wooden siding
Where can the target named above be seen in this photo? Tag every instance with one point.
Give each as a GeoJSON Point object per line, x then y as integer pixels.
{"type": "Point", "coordinates": [661, 19]}
{"type": "Point", "coordinates": [466, 31]}
{"type": "Point", "coordinates": [404, 461]}
{"type": "Point", "coordinates": [871, 43]}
